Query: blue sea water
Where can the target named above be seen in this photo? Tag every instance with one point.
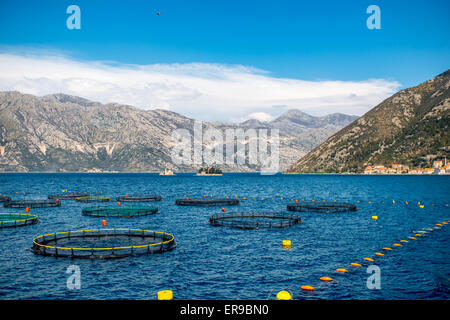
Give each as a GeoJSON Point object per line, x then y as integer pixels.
{"type": "Point", "coordinates": [222, 263]}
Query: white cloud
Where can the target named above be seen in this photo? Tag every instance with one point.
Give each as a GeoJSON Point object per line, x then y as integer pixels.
{"type": "Point", "coordinates": [200, 90]}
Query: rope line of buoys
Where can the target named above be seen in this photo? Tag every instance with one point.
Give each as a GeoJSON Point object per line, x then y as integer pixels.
{"type": "Point", "coordinates": [379, 254]}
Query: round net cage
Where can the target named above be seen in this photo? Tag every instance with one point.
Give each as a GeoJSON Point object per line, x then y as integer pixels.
{"type": "Point", "coordinates": [5, 199]}
{"type": "Point", "coordinates": [88, 199]}
{"type": "Point", "coordinates": [125, 212]}
{"type": "Point", "coordinates": [103, 243]}
{"type": "Point", "coordinates": [325, 207]}
{"type": "Point", "coordinates": [32, 204]}
{"type": "Point", "coordinates": [254, 220]}
{"type": "Point", "coordinates": [139, 198]}
{"type": "Point", "coordinates": [67, 196]}
{"type": "Point", "coordinates": [207, 202]}
{"type": "Point", "coordinates": [17, 219]}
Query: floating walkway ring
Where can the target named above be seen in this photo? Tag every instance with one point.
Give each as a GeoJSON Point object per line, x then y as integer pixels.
{"type": "Point", "coordinates": [139, 198]}
{"type": "Point", "coordinates": [321, 207]}
{"type": "Point", "coordinates": [207, 202]}
{"type": "Point", "coordinates": [125, 212]}
{"type": "Point", "coordinates": [254, 220]}
{"type": "Point", "coordinates": [32, 204]}
{"type": "Point", "coordinates": [88, 199]}
{"type": "Point", "coordinates": [17, 219]}
{"type": "Point", "coordinates": [67, 196]}
{"type": "Point", "coordinates": [151, 242]}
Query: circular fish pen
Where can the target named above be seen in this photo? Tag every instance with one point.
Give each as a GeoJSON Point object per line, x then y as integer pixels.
{"type": "Point", "coordinates": [103, 243]}
{"type": "Point", "coordinates": [139, 198]}
{"type": "Point", "coordinates": [5, 199]}
{"type": "Point", "coordinates": [207, 202]}
{"type": "Point", "coordinates": [67, 196]}
{"type": "Point", "coordinates": [325, 207]}
{"type": "Point", "coordinates": [32, 204]}
{"type": "Point", "coordinates": [125, 212]}
{"type": "Point", "coordinates": [89, 199]}
{"type": "Point", "coordinates": [17, 219]}
{"type": "Point", "coordinates": [254, 220]}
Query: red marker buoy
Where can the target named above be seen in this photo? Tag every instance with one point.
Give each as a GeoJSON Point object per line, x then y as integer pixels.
{"type": "Point", "coordinates": [223, 210]}
{"type": "Point", "coordinates": [27, 209]}
{"type": "Point", "coordinates": [104, 223]}
{"type": "Point", "coordinates": [118, 203]}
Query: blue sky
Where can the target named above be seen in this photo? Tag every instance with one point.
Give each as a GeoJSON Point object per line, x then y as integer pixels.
{"type": "Point", "coordinates": [303, 40]}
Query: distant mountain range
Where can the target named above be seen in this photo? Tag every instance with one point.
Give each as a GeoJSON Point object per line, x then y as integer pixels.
{"type": "Point", "coordinates": [411, 127]}
{"type": "Point", "coordinates": [63, 133]}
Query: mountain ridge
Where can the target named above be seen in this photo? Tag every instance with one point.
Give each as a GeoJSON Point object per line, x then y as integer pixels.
{"type": "Point", "coordinates": [60, 132]}
{"type": "Point", "coordinates": [410, 127]}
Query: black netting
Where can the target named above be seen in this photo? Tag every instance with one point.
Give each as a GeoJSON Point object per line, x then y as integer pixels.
{"type": "Point", "coordinates": [254, 220]}
{"type": "Point", "coordinates": [32, 204]}
{"type": "Point", "coordinates": [103, 243]}
{"type": "Point", "coordinates": [118, 211]}
{"type": "Point", "coordinates": [139, 198]}
{"type": "Point", "coordinates": [206, 202]}
{"type": "Point", "coordinates": [5, 199]}
{"type": "Point", "coordinates": [17, 219]}
{"type": "Point", "coordinates": [67, 196]}
{"type": "Point", "coordinates": [325, 207]}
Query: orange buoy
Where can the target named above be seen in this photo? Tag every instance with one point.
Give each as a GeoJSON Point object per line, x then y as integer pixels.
{"type": "Point", "coordinates": [397, 245]}
{"type": "Point", "coordinates": [326, 279]}
{"type": "Point", "coordinates": [393, 201]}
{"type": "Point", "coordinates": [223, 209]}
{"type": "Point", "coordinates": [406, 202]}
{"type": "Point", "coordinates": [104, 223]}
{"type": "Point", "coordinates": [187, 198]}
{"type": "Point", "coordinates": [355, 264]}
{"type": "Point", "coordinates": [341, 270]}
{"type": "Point", "coordinates": [368, 259]}
{"type": "Point", "coordinates": [412, 238]}
{"type": "Point", "coordinates": [307, 288]}
{"type": "Point", "coordinates": [379, 254]}
{"type": "Point", "coordinates": [27, 209]}
{"type": "Point", "coordinates": [296, 201]}
{"type": "Point", "coordinates": [404, 241]}
{"type": "Point", "coordinates": [126, 196]}
{"type": "Point", "coordinates": [389, 249]}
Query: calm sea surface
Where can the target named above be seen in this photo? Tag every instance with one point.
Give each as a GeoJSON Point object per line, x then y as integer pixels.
{"type": "Point", "coordinates": [223, 263]}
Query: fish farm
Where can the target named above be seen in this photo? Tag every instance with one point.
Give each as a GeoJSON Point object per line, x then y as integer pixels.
{"type": "Point", "coordinates": [139, 198]}
{"type": "Point", "coordinates": [321, 207]}
{"type": "Point", "coordinates": [254, 220]}
{"type": "Point", "coordinates": [103, 243]}
{"type": "Point", "coordinates": [207, 202]}
{"type": "Point", "coordinates": [32, 204]}
{"type": "Point", "coordinates": [126, 212]}
{"type": "Point", "coordinates": [17, 219]}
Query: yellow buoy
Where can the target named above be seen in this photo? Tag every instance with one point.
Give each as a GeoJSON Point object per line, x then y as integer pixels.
{"type": "Point", "coordinates": [421, 206]}
{"type": "Point", "coordinates": [284, 295]}
{"type": "Point", "coordinates": [165, 295]}
{"type": "Point", "coordinates": [375, 217]}
{"type": "Point", "coordinates": [326, 279]}
{"type": "Point", "coordinates": [429, 229]}
{"type": "Point", "coordinates": [368, 259]}
{"type": "Point", "coordinates": [286, 243]}
{"type": "Point", "coordinates": [445, 222]}
{"type": "Point", "coordinates": [307, 288]}
{"type": "Point", "coordinates": [436, 227]}
{"type": "Point", "coordinates": [341, 270]}
{"type": "Point", "coordinates": [355, 264]}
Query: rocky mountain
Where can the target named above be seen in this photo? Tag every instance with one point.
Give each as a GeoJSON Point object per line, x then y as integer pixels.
{"type": "Point", "coordinates": [411, 127]}
{"type": "Point", "coordinates": [64, 133]}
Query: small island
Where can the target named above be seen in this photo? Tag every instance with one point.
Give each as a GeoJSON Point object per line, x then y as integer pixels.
{"type": "Point", "coordinates": [209, 172]}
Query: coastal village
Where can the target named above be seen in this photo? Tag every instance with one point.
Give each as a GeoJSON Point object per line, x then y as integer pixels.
{"type": "Point", "coordinates": [439, 167]}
